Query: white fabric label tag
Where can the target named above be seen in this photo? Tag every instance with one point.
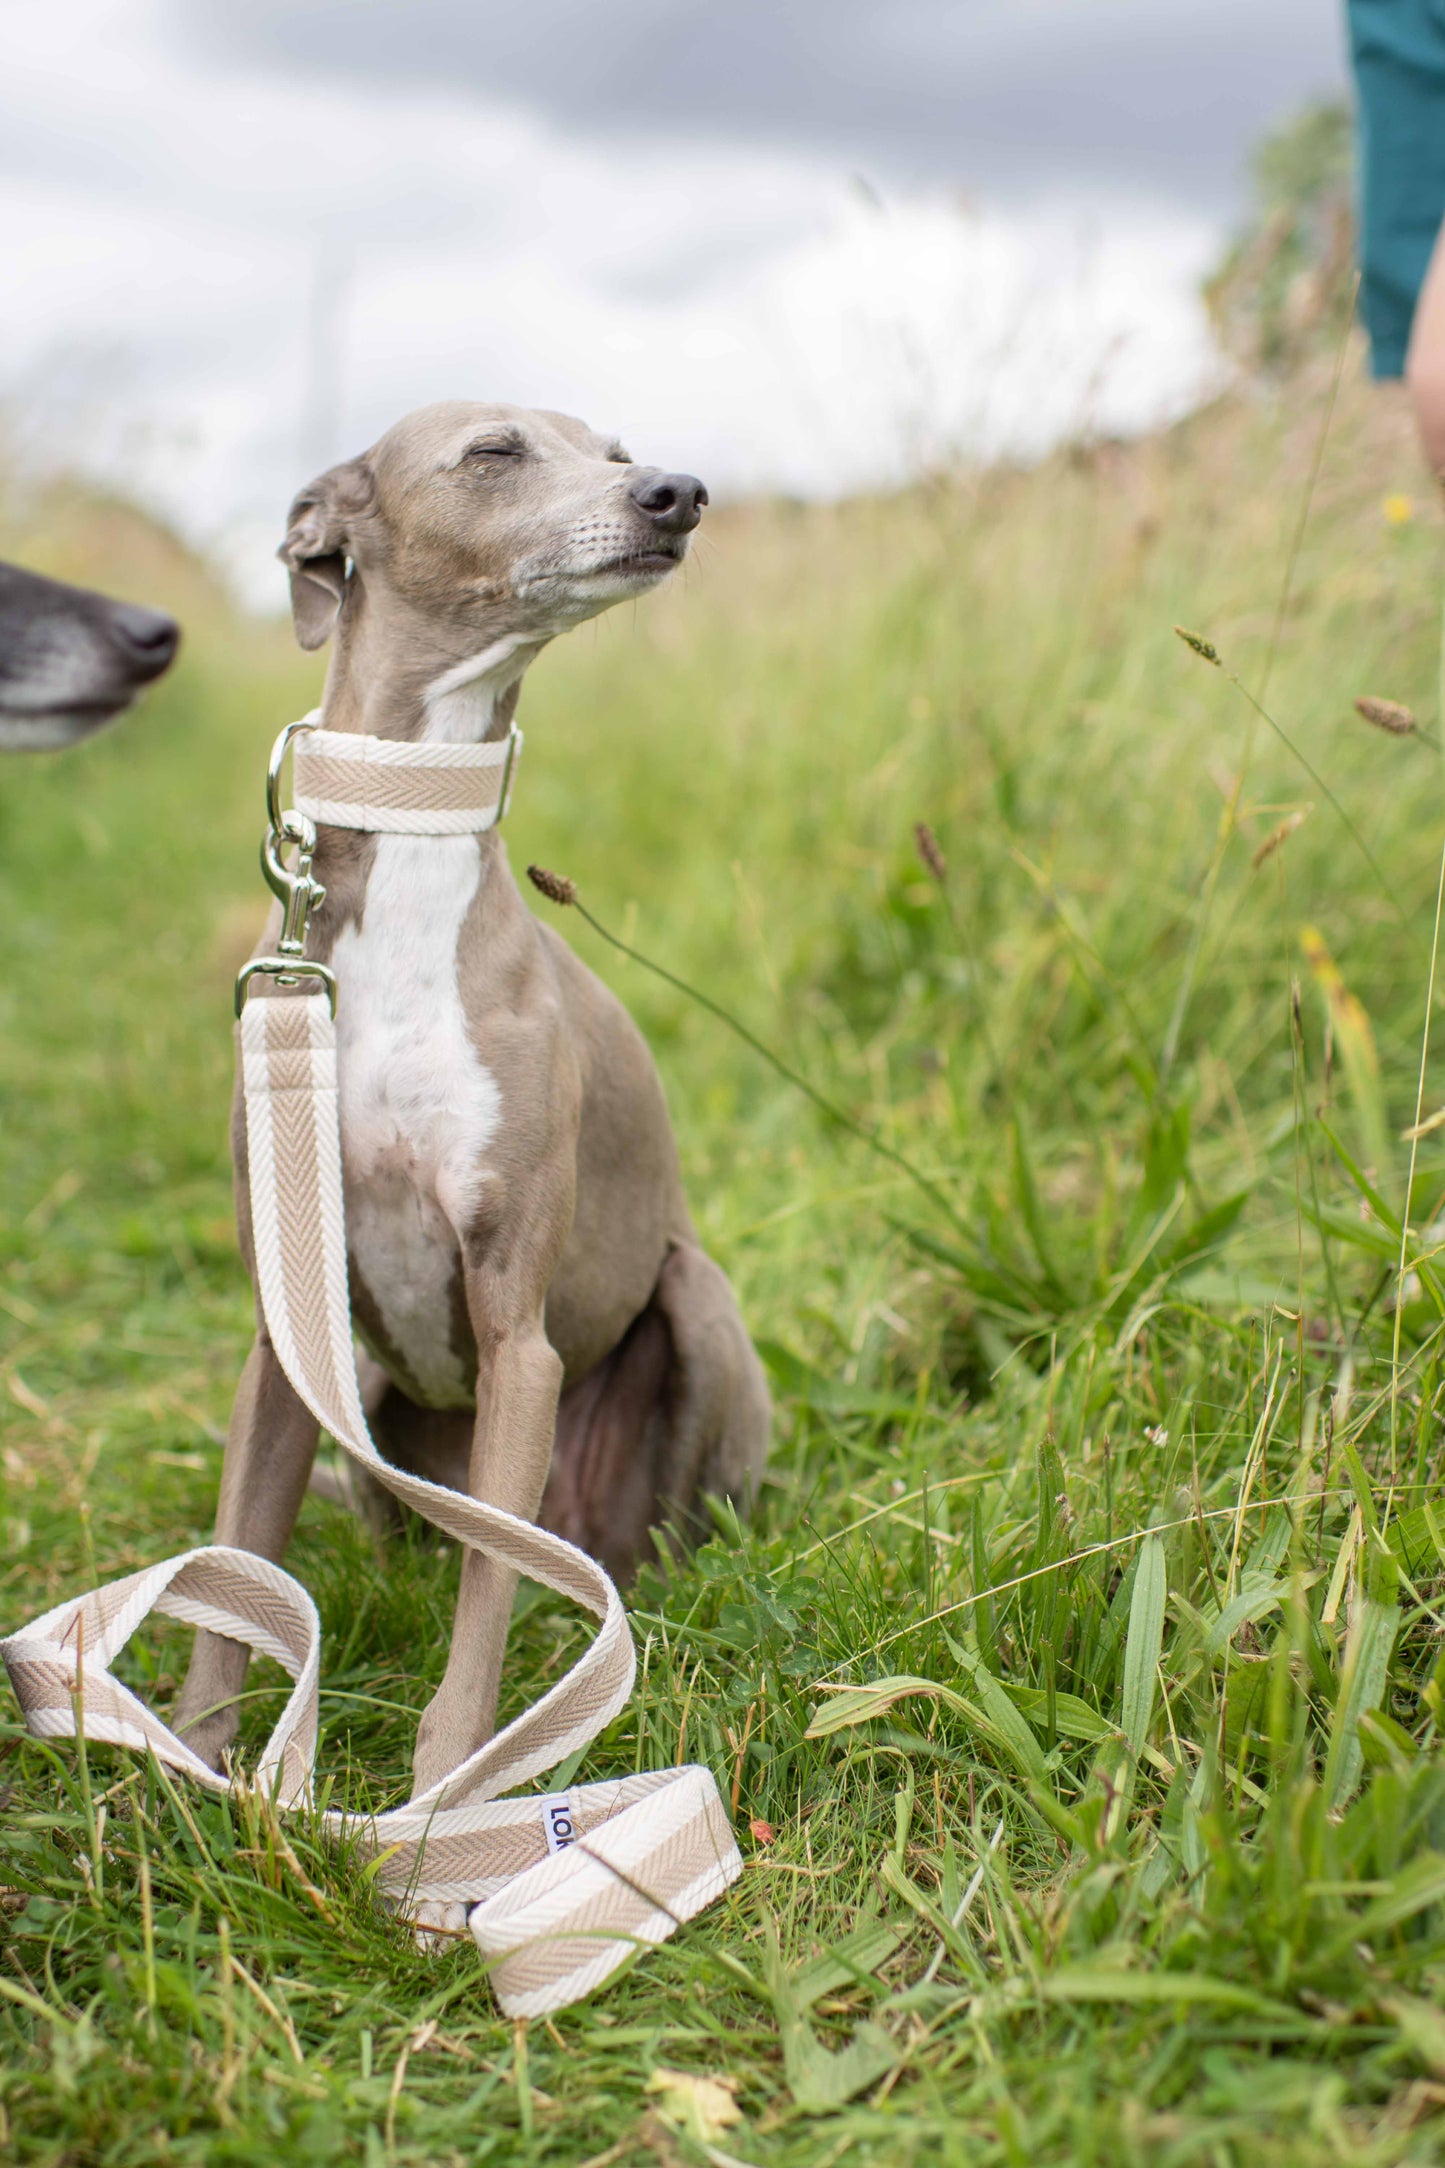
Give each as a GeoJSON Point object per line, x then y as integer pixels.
{"type": "Point", "coordinates": [557, 1821]}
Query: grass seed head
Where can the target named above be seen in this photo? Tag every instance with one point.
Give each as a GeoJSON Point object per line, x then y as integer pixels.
{"type": "Point", "coordinates": [554, 886]}
{"type": "Point", "coordinates": [1388, 715]}
{"type": "Point", "coordinates": [929, 851]}
{"type": "Point", "coordinates": [1205, 649]}
{"type": "Point", "coordinates": [1279, 835]}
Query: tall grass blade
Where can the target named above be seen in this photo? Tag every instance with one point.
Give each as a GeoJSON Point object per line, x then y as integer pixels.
{"type": "Point", "coordinates": [1366, 1667]}
{"type": "Point", "coordinates": [1144, 1643]}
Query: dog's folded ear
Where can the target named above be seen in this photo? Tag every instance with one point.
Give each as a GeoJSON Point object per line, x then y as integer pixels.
{"type": "Point", "coordinates": [318, 544]}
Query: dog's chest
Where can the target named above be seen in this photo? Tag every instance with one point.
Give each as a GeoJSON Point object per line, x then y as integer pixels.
{"type": "Point", "coordinates": [418, 1106]}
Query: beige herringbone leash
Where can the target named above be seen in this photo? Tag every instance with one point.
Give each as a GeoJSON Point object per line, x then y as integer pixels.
{"type": "Point", "coordinates": [557, 1890]}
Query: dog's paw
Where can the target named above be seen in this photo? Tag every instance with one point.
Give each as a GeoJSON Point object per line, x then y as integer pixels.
{"type": "Point", "coordinates": [435, 1923]}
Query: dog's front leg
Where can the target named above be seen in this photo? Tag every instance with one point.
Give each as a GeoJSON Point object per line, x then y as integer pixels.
{"type": "Point", "coordinates": [519, 1377]}
{"type": "Point", "coordinates": [269, 1451]}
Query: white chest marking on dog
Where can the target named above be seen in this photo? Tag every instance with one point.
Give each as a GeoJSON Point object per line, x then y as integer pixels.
{"type": "Point", "coordinates": [418, 1106]}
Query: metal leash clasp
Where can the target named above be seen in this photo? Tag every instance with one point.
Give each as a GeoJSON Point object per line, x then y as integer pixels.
{"type": "Point", "coordinates": [293, 886]}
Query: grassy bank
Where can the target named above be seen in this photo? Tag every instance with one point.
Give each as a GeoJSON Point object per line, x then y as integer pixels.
{"type": "Point", "coordinates": [1078, 1684]}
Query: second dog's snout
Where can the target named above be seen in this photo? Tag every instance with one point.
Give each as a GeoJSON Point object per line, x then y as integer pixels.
{"type": "Point", "coordinates": [147, 638]}
{"type": "Point", "coordinates": [673, 502]}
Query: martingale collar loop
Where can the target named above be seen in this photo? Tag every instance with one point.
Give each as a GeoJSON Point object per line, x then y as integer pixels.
{"type": "Point", "coordinates": [380, 786]}
{"type": "Point", "coordinates": [390, 786]}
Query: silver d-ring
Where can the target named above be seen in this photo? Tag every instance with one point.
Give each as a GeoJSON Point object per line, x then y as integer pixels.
{"type": "Point", "coordinates": [287, 971]}
{"type": "Point", "coordinates": [274, 811]}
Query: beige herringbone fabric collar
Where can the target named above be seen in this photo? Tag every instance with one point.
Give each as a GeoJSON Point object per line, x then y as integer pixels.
{"type": "Point", "coordinates": [556, 1890]}
{"type": "Point", "coordinates": [390, 786]}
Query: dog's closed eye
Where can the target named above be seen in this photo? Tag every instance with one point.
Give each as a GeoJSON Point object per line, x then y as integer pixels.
{"type": "Point", "coordinates": [494, 448]}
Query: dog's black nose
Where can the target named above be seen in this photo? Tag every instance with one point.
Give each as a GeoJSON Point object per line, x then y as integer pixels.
{"type": "Point", "coordinates": [673, 502]}
{"type": "Point", "coordinates": [147, 638]}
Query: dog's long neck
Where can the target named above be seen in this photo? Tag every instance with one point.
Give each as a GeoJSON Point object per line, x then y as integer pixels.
{"type": "Point", "coordinates": [417, 682]}
{"type": "Point", "coordinates": [392, 676]}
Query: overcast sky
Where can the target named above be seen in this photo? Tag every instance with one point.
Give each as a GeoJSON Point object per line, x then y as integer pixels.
{"type": "Point", "coordinates": [786, 245]}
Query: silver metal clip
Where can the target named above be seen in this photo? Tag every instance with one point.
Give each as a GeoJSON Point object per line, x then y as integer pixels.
{"type": "Point", "coordinates": [293, 886]}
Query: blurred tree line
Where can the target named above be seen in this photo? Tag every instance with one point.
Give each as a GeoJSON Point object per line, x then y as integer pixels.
{"type": "Point", "coordinates": [1286, 285]}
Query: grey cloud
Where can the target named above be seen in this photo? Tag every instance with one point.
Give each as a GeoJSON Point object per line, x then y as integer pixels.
{"type": "Point", "coordinates": [1005, 97]}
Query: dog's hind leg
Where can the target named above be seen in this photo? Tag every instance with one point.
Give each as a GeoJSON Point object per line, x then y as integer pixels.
{"type": "Point", "coordinates": [269, 1451]}
{"type": "Point", "coordinates": [678, 1408]}
{"type": "Point", "coordinates": [613, 1428]}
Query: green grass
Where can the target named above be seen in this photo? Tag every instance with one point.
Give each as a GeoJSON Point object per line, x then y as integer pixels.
{"type": "Point", "coordinates": [1087, 1650]}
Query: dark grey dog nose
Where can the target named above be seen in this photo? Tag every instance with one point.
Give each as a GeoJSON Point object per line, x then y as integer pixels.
{"type": "Point", "coordinates": [147, 638]}
{"type": "Point", "coordinates": [673, 502]}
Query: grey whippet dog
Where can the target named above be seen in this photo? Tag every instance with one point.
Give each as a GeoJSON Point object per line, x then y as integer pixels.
{"type": "Point", "coordinates": [545, 1330]}
{"type": "Point", "coordinates": [71, 660]}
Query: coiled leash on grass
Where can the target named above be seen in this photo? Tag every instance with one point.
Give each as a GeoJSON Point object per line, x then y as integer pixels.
{"type": "Point", "coordinates": [557, 1891]}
